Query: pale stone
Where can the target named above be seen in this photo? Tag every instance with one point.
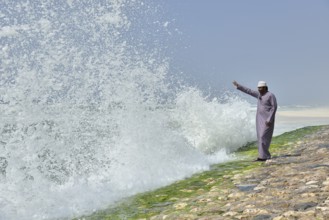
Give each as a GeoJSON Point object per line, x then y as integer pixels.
{"type": "Point", "coordinates": [237, 176]}
{"type": "Point", "coordinates": [226, 191]}
{"type": "Point", "coordinates": [313, 186]}
{"type": "Point", "coordinates": [186, 190]}
{"type": "Point", "coordinates": [322, 151]}
{"type": "Point", "coordinates": [222, 198]}
{"type": "Point", "coordinates": [236, 195]}
{"type": "Point", "coordinates": [211, 183]}
{"type": "Point", "coordinates": [180, 205]}
{"type": "Point", "coordinates": [196, 209]}
{"type": "Point", "coordinates": [241, 217]}
{"type": "Point", "coordinates": [211, 204]}
{"type": "Point", "coordinates": [266, 182]}
{"type": "Point", "coordinates": [312, 182]}
{"type": "Point", "coordinates": [290, 214]}
{"type": "Point", "coordinates": [209, 180]}
{"type": "Point", "coordinates": [323, 209]}
{"type": "Point", "coordinates": [187, 217]}
{"type": "Point", "coordinates": [308, 213]}
{"type": "Point", "coordinates": [236, 171]}
{"type": "Point", "coordinates": [205, 200]}
{"type": "Point", "coordinates": [214, 194]}
{"type": "Point", "coordinates": [230, 214]}
{"type": "Point", "coordinates": [250, 206]}
{"type": "Point", "coordinates": [326, 183]}
{"type": "Point", "coordinates": [227, 205]}
{"type": "Point", "coordinates": [214, 188]}
{"type": "Point", "coordinates": [307, 195]}
{"type": "Point", "coordinates": [326, 188]}
{"type": "Point", "coordinates": [255, 212]}
{"type": "Point", "coordinates": [259, 188]}
{"type": "Point", "coordinates": [227, 176]}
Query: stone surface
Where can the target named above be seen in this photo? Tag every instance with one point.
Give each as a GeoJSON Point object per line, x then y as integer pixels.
{"type": "Point", "coordinates": [293, 185]}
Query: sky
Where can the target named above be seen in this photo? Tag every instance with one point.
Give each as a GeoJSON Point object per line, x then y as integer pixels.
{"type": "Point", "coordinates": [283, 42]}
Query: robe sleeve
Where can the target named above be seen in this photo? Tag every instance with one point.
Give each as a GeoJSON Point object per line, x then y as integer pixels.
{"type": "Point", "coordinates": [272, 109]}
{"type": "Point", "coordinates": [248, 91]}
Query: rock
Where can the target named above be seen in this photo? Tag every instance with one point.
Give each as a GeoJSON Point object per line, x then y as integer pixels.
{"type": "Point", "coordinates": [247, 187]}
{"type": "Point", "coordinates": [323, 209]}
{"type": "Point", "coordinates": [304, 206]}
{"type": "Point", "coordinates": [180, 206]}
{"type": "Point", "coordinates": [262, 217]}
{"type": "Point", "coordinates": [214, 188]}
{"type": "Point", "coordinates": [325, 189]}
{"type": "Point", "coordinates": [196, 209]}
{"type": "Point", "coordinates": [259, 188]}
{"type": "Point", "coordinates": [236, 195]}
{"type": "Point", "coordinates": [279, 218]}
{"type": "Point", "coordinates": [237, 176]}
{"type": "Point", "coordinates": [325, 183]}
{"type": "Point", "coordinates": [204, 200]}
{"type": "Point", "coordinates": [255, 211]}
{"type": "Point", "coordinates": [308, 195]}
{"type": "Point", "coordinates": [311, 182]}
{"type": "Point", "coordinates": [230, 214]}
{"type": "Point", "coordinates": [290, 214]}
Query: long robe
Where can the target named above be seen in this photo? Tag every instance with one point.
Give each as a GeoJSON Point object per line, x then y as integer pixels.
{"type": "Point", "coordinates": [266, 109]}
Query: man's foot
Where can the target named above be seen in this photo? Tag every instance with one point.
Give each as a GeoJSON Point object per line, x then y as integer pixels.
{"type": "Point", "coordinates": [260, 159]}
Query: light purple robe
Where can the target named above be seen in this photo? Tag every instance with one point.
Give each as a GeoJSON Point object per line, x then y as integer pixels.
{"type": "Point", "coordinates": [266, 109]}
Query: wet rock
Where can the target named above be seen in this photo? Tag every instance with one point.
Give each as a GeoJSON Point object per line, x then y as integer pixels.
{"type": "Point", "coordinates": [247, 187]}
{"type": "Point", "coordinates": [304, 206]}
{"type": "Point", "coordinates": [262, 217]}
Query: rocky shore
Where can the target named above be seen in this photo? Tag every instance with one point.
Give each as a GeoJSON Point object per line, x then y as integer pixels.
{"type": "Point", "coordinates": [294, 184]}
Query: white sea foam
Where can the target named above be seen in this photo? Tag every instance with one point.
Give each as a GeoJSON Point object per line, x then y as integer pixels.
{"type": "Point", "coordinates": [89, 114]}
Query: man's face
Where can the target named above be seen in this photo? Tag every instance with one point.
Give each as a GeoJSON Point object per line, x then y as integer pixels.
{"type": "Point", "coordinates": [262, 90]}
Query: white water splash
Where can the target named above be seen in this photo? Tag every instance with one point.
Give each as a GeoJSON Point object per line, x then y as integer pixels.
{"type": "Point", "coordinates": [88, 113]}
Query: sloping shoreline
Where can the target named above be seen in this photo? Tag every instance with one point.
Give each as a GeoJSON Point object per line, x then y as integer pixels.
{"type": "Point", "coordinates": [294, 184]}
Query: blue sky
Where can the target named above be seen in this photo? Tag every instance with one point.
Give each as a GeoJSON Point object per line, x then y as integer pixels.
{"type": "Point", "coordinates": [284, 42]}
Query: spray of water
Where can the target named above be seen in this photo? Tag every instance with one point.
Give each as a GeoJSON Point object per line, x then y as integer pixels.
{"type": "Point", "coordinates": [89, 114]}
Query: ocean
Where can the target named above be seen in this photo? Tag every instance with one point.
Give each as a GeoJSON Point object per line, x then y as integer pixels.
{"type": "Point", "coordinates": [289, 118]}
{"type": "Point", "coordinates": [90, 112]}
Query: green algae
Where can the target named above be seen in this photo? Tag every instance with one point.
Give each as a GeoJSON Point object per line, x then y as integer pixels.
{"type": "Point", "coordinates": [145, 205]}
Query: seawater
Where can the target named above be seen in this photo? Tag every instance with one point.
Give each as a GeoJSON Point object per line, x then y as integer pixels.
{"type": "Point", "coordinates": [295, 116]}
{"type": "Point", "coordinates": [90, 112]}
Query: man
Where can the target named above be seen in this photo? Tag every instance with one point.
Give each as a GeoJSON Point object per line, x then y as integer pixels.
{"type": "Point", "coordinates": [265, 117]}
